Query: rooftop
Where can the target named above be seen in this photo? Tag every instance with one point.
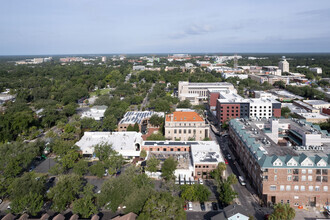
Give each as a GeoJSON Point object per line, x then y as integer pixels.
{"type": "Point", "coordinates": [310, 115]}
{"type": "Point", "coordinates": [206, 152]}
{"type": "Point", "coordinates": [137, 117]}
{"type": "Point", "coordinates": [184, 116]}
{"type": "Point", "coordinates": [316, 102]}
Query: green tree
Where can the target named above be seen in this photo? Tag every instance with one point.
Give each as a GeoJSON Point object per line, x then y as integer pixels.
{"type": "Point", "coordinates": [282, 212]}
{"type": "Point", "coordinates": [168, 168]}
{"type": "Point", "coordinates": [27, 193]}
{"type": "Point", "coordinates": [152, 164]}
{"type": "Point", "coordinates": [103, 151]}
{"type": "Point", "coordinates": [156, 120]}
{"type": "Point", "coordinates": [226, 193]}
{"type": "Point", "coordinates": [65, 191]}
{"type": "Point", "coordinates": [136, 127]}
{"type": "Point", "coordinates": [98, 169]}
{"type": "Point", "coordinates": [143, 153]}
{"type": "Point", "coordinates": [196, 192]}
{"type": "Point", "coordinates": [163, 205]}
{"type": "Point", "coordinates": [184, 104]}
{"type": "Point", "coordinates": [285, 111]}
{"type": "Point", "coordinates": [81, 167]}
{"type": "Point", "coordinates": [156, 137]}
{"type": "Point", "coordinates": [109, 123]}
{"type": "Point", "coordinates": [85, 206]}
{"type": "Point", "coordinates": [130, 128]}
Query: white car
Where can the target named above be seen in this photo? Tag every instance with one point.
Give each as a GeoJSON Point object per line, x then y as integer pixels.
{"type": "Point", "coordinates": [201, 181]}
{"type": "Point", "coordinates": [228, 156]}
{"type": "Point", "coordinates": [241, 180]}
{"type": "Point", "coordinates": [190, 206]}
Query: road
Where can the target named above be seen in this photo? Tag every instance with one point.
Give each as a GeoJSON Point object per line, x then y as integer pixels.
{"type": "Point", "coordinates": [145, 100]}
{"type": "Point", "coordinates": [246, 194]}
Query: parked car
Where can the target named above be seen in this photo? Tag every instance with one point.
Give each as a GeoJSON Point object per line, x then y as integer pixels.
{"type": "Point", "coordinates": [226, 161]}
{"type": "Point", "coordinates": [241, 180]}
{"type": "Point", "coordinates": [190, 206]}
{"type": "Point", "coordinates": [214, 206]}
{"type": "Point", "coordinates": [202, 206]}
{"type": "Point", "coordinates": [201, 181]}
{"type": "Point", "coordinates": [228, 156]}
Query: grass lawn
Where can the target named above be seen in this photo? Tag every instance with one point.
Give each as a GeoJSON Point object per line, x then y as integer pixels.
{"type": "Point", "coordinates": [101, 91]}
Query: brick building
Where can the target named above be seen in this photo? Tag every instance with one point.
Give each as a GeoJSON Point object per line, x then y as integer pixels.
{"type": "Point", "coordinates": [286, 160]}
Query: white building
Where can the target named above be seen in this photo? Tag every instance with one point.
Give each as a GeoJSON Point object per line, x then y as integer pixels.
{"type": "Point", "coordinates": [139, 68]}
{"type": "Point", "coordinates": [317, 70]}
{"type": "Point", "coordinates": [319, 104]}
{"type": "Point", "coordinates": [197, 92]}
{"type": "Point", "coordinates": [128, 144]}
{"type": "Point", "coordinates": [228, 75]}
{"type": "Point", "coordinates": [104, 59]}
{"type": "Point", "coordinates": [284, 66]}
{"type": "Point", "coordinates": [263, 94]}
{"type": "Point", "coordinates": [96, 112]}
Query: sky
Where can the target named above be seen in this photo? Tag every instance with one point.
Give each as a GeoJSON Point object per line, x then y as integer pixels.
{"type": "Point", "coordinates": [41, 27]}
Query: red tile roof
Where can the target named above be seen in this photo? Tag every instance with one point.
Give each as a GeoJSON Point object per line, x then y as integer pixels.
{"type": "Point", "coordinates": [184, 116]}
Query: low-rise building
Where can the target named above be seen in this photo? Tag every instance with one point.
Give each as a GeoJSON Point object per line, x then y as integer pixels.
{"type": "Point", "coordinates": [196, 159]}
{"type": "Point", "coordinates": [305, 106]}
{"type": "Point", "coordinates": [228, 75]}
{"type": "Point", "coordinates": [128, 144]}
{"type": "Point", "coordinates": [286, 160]}
{"type": "Point", "coordinates": [317, 70]}
{"type": "Point", "coordinates": [313, 117]}
{"type": "Point", "coordinates": [139, 117]}
{"type": "Point", "coordinates": [186, 125]}
{"type": "Point", "coordinates": [139, 68]}
{"type": "Point", "coordinates": [319, 104]}
{"type": "Point", "coordinates": [96, 112]}
{"type": "Point", "coordinates": [198, 92]}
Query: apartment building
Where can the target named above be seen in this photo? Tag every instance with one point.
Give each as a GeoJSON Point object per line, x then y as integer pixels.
{"type": "Point", "coordinates": [231, 105]}
{"type": "Point", "coordinates": [186, 125]}
{"type": "Point", "coordinates": [197, 92]}
{"type": "Point", "coordinates": [284, 66]}
{"type": "Point", "coordinates": [286, 160]}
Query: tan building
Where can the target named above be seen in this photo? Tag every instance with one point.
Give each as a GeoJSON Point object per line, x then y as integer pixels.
{"type": "Point", "coordinates": [186, 125]}
{"type": "Point", "coordinates": [313, 117]}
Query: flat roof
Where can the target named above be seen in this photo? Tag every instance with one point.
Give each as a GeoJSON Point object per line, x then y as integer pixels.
{"type": "Point", "coordinates": [206, 152]}
{"type": "Point", "coordinates": [133, 117]}
{"type": "Point", "coordinates": [310, 115]}
{"type": "Point", "coordinates": [316, 102]}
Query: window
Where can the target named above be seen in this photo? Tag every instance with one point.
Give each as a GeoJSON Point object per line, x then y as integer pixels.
{"type": "Point", "coordinates": [318, 171]}
{"type": "Point", "coordinates": [325, 188]}
{"type": "Point", "coordinates": [324, 172]}
{"type": "Point", "coordinates": [302, 188]}
{"type": "Point", "coordinates": [288, 188]}
{"type": "Point", "coordinates": [317, 188]}
{"type": "Point", "coordinates": [310, 178]}
{"type": "Point", "coordinates": [310, 188]}
{"type": "Point", "coordinates": [289, 178]}
{"type": "Point", "coordinates": [318, 178]}
{"type": "Point", "coordinates": [296, 188]}
{"type": "Point", "coordinates": [324, 179]}
{"type": "Point", "coordinates": [303, 171]}
{"type": "Point", "coordinates": [310, 171]}
{"type": "Point", "coordinates": [289, 171]}
{"type": "Point", "coordinates": [288, 201]}
{"type": "Point", "coordinates": [303, 178]}
{"type": "Point", "coordinates": [275, 178]}
{"type": "Point", "coordinates": [179, 131]}
{"type": "Point", "coordinates": [174, 131]}
{"type": "Point", "coordinates": [295, 171]}
{"type": "Point", "coordinates": [281, 187]}
{"type": "Point", "coordinates": [282, 201]}
{"type": "Point", "coordinates": [272, 188]}
{"type": "Point", "coordinates": [189, 131]}
{"type": "Point", "coordinates": [184, 131]}
{"type": "Point", "coordinates": [172, 149]}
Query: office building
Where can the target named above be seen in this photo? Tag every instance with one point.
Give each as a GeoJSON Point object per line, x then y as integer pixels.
{"type": "Point", "coordinates": [284, 66]}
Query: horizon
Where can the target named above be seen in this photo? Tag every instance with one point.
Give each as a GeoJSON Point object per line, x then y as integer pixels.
{"type": "Point", "coordinates": [142, 27]}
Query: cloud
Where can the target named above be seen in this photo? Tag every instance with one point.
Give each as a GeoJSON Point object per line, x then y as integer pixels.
{"type": "Point", "coordinates": [325, 13]}
{"type": "Point", "coordinates": [192, 30]}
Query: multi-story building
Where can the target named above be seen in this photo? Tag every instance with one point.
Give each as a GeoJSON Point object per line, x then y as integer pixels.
{"type": "Point", "coordinates": [319, 104]}
{"type": "Point", "coordinates": [286, 160]}
{"type": "Point", "coordinates": [139, 117]}
{"type": "Point", "coordinates": [284, 66]}
{"type": "Point", "coordinates": [231, 105]}
{"type": "Point", "coordinates": [197, 92]}
{"type": "Point", "coordinates": [196, 159]}
{"type": "Point", "coordinates": [317, 70]}
{"type": "Point", "coordinates": [186, 125]}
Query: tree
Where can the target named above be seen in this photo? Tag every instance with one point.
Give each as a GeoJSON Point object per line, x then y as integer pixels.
{"type": "Point", "coordinates": [184, 104]}
{"type": "Point", "coordinates": [27, 193]}
{"type": "Point", "coordinates": [156, 120]}
{"type": "Point", "coordinates": [217, 173]}
{"type": "Point", "coordinates": [152, 164]}
{"type": "Point", "coordinates": [81, 167]}
{"type": "Point", "coordinates": [136, 127]}
{"type": "Point", "coordinates": [285, 111]}
{"type": "Point", "coordinates": [279, 84]}
{"type": "Point", "coordinates": [130, 128]}
{"type": "Point", "coordinates": [65, 191]}
{"type": "Point", "coordinates": [98, 169]}
{"type": "Point", "coordinates": [143, 154]}
{"type": "Point", "coordinates": [85, 206]}
{"type": "Point", "coordinates": [196, 192]}
{"type": "Point", "coordinates": [282, 212]}
{"type": "Point", "coordinates": [156, 137]}
{"type": "Point", "coordinates": [226, 193]}
{"type": "Point", "coordinates": [103, 151]}
{"type": "Point", "coordinates": [168, 168]}
{"type": "Point", "coordinates": [163, 205]}
{"type": "Point", "coordinates": [109, 123]}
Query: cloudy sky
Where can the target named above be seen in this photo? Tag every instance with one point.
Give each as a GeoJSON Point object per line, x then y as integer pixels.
{"type": "Point", "coordinates": [156, 26]}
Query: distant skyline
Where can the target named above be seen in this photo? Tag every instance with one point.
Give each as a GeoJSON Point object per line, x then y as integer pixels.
{"type": "Point", "coordinates": [39, 27]}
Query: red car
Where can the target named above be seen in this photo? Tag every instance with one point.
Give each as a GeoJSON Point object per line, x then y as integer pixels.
{"type": "Point", "coordinates": [226, 161]}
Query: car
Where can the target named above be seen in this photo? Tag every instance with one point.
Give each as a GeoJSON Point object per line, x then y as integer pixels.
{"type": "Point", "coordinates": [185, 206]}
{"type": "Point", "coordinates": [241, 180]}
{"type": "Point", "coordinates": [226, 161]}
{"type": "Point", "coordinates": [201, 181]}
{"type": "Point", "coordinates": [202, 206]}
{"type": "Point", "coordinates": [31, 168]}
{"type": "Point", "coordinates": [228, 156]}
{"type": "Point", "coordinates": [51, 180]}
{"type": "Point", "coordinates": [8, 207]}
{"type": "Point", "coordinates": [214, 206]}
{"type": "Point", "coordinates": [190, 206]}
